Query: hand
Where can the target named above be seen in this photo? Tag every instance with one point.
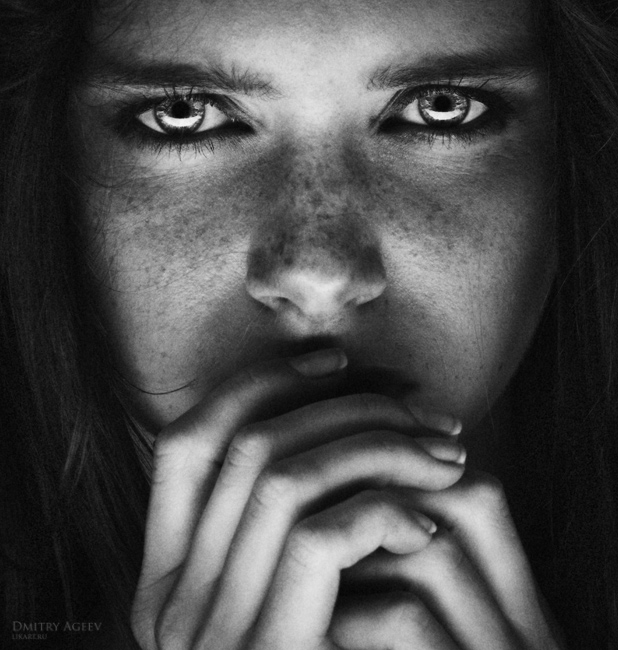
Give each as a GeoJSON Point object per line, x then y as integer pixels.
{"type": "Point", "coordinates": [470, 588]}
{"type": "Point", "coordinates": [250, 524]}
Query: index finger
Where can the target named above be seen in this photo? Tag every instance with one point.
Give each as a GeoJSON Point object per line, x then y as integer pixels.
{"type": "Point", "coordinates": [190, 451]}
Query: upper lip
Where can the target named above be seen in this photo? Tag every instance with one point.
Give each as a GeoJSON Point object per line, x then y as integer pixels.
{"type": "Point", "coordinates": [304, 346]}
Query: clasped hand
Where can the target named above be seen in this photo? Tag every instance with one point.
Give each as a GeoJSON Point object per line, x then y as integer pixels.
{"type": "Point", "coordinates": [267, 535]}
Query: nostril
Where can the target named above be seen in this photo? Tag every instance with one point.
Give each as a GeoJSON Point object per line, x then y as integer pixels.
{"type": "Point", "coordinates": [370, 291]}
{"type": "Point", "coordinates": [314, 293]}
{"type": "Point", "coordinates": [281, 304]}
{"type": "Point", "coordinates": [321, 283]}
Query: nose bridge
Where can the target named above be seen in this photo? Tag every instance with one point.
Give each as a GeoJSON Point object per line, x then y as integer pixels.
{"type": "Point", "coordinates": [318, 184]}
{"type": "Point", "coordinates": [320, 214]}
{"type": "Point", "coordinates": [317, 249]}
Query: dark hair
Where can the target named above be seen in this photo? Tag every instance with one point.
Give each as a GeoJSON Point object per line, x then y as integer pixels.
{"type": "Point", "coordinates": [74, 490]}
{"type": "Point", "coordinates": [566, 497]}
{"type": "Point", "coordinates": [74, 487]}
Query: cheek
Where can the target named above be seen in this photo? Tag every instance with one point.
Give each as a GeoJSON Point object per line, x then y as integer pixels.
{"type": "Point", "coordinates": [152, 231]}
{"type": "Point", "coordinates": [464, 240]}
{"type": "Point", "coordinates": [472, 259]}
{"type": "Point", "coordinates": [484, 214]}
{"type": "Point", "coordinates": [169, 257]}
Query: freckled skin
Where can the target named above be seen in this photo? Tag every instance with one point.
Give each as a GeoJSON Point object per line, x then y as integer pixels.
{"type": "Point", "coordinates": [460, 234]}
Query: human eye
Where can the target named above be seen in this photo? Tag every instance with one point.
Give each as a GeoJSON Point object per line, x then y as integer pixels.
{"type": "Point", "coordinates": [450, 112]}
{"type": "Point", "coordinates": [181, 119]}
{"type": "Point", "coordinates": [443, 108]}
{"type": "Point", "coordinates": [183, 115]}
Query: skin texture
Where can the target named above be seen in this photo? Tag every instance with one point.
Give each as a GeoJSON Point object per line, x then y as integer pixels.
{"type": "Point", "coordinates": [321, 502]}
{"type": "Point", "coordinates": [446, 244]}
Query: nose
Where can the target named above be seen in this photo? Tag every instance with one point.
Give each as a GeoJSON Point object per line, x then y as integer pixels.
{"type": "Point", "coordinates": [315, 256]}
{"type": "Point", "coordinates": [315, 271]}
{"type": "Point", "coordinates": [315, 285]}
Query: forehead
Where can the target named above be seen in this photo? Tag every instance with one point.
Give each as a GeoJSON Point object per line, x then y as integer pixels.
{"type": "Point", "coordinates": [265, 34]}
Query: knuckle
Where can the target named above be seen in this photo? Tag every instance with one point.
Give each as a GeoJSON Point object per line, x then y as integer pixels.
{"type": "Point", "coordinates": [371, 403]}
{"type": "Point", "coordinates": [407, 614]}
{"type": "Point", "coordinates": [307, 545]}
{"type": "Point", "coordinates": [381, 505]}
{"type": "Point", "coordinates": [162, 633]}
{"type": "Point", "coordinates": [485, 494]}
{"type": "Point", "coordinates": [375, 498]}
{"type": "Point", "coordinates": [178, 450]}
{"type": "Point", "coordinates": [250, 447]}
{"type": "Point", "coordinates": [449, 555]}
{"type": "Point", "coordinates": [173, 441]}
{"type": "Point", "coordinates": [275, 486]}
{"type": "Point", "coordinates": [167, 636]}
{"type": "Point", "coordinates": [250, 379]}
{"type": "Point", "coordinates": [384, 503]}
{"type": "Point", "coordinates": [141, 630]}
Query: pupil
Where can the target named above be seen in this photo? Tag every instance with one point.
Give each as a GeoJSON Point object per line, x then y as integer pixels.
{"type": "Point", "coordinates": [180, 110]}
{"type": "Point", "coordinates": [442, 104]}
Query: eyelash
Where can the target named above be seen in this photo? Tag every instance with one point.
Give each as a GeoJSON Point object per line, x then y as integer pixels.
{"type": "Point", "coordinates": [492, 120]}
{"type": "Point", "coordinates": [129, 127]}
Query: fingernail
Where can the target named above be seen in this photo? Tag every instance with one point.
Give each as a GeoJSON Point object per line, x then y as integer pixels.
{"type": "Point", "coordinates": [443, 449]}
{"type": "Point", "coordinates": [429, 525]}
{"type": "Point", "coordinates": [437, 421]}
{"type": "Point", "coordinates": [461, 459]}
{"type": "Point", "coordinates": [320, 363]}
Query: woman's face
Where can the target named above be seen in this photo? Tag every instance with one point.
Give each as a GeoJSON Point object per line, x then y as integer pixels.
{"type": "Point", "coordinates": [372, 174]}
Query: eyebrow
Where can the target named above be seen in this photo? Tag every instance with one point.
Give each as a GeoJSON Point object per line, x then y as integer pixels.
{"type": "Point", "coordinates": [488, 62]}
{"type": "Point", "coordinates": [110, 71]}
{"type": "Point", "coordinates": [505, 62]}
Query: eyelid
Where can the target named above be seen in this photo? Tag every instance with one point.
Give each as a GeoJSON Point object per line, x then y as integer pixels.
{"type": "Point", "coordinates": [493, 99]}
{"type": "Point", "coordinates": [132, 109]}
{"type": "Point", "coordinates": [150, 120]}
{"type": "Point", "coordinates": [126, 124]}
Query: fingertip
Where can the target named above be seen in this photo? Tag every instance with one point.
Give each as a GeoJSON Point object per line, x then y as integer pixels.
{"type": "Point", "coordinates": [418, 532]}
{"type": "Point", "coordinates": [442, 422]}
{"type": "Point", "coordinates": [463, 455]}
{"type": "Point", "coordinates": [426, 523]}
{"type": "Point", "coordinates": [447, 451]}
{"type": "Point", "coordinates": [320, 363]}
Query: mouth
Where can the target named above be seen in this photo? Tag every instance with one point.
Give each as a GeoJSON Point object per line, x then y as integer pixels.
{"type": "Point", "coordinates": [380, 379]}
{"type": "Point", "coordinates": [360, 376]}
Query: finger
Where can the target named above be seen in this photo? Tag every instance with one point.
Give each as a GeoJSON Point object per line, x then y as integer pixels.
{"type": "Point", "coordinates": [299, 606]}
{"type": "Point", "coordinates": [289, 488]}
{"type": "Point", "coordinates": [443, 449]}
{"type": "Point", "coordinates": [258, 445]}
{"type": "Point", "coordinates": [188, 455]}
{"type": "Point", "coordinates": [476, 512]}
{"type": "Point", "coordinates": [192, 449]}
{"type": "Point", "coordinates": [249, 453]}
{"type": "Point", "coordinates": [449, 585]}
{"type": "Point", "coordinates": [389, 621]}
